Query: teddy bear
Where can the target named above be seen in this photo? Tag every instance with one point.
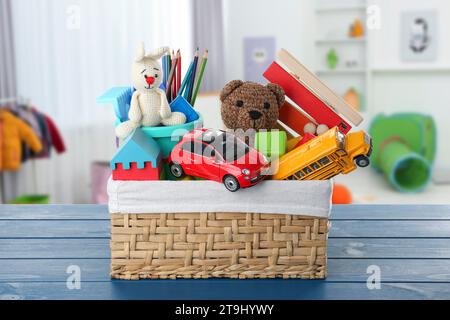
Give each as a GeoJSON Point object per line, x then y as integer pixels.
{"type": "Point", "coordinates": [251, 106]}
{"type": "Point", "coordinates": [149, 106]}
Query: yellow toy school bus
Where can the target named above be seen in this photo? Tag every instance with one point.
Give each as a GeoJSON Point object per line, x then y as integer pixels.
{"type": "Point", "coordinates": [326, 156]}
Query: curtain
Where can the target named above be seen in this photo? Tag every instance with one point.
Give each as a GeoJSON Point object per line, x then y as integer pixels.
{"type": "Point", "coordinates": [69, 52]}
{"type": "Point", "coordinates": [8, 181]}
{"type": "Point", "coordinates": [207, 18]}
{"type": "Point", "coordinates": [7, 72]}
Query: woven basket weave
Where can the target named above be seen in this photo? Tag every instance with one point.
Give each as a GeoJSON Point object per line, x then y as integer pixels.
{"type": "Point", "coordinates": [218, 245]}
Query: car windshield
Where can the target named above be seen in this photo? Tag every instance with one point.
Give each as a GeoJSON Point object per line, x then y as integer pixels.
{"type": "Point", "coordinates": [228, 145]}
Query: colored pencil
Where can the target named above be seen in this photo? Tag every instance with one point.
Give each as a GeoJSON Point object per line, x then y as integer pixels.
{"type": "Point", "coordinates": [189, 81]}
{"type": "Point", "coordinates": [168, 66]}
{"type": "Point", "coordinates": [174, 67]}
{"type": "Point", "coordinates": [194, 71]}
{"type": "Point", "coordinates": [186, 79]}
{"type": "Point", "coordinates": [200, 61]}
{"type": "Point", "coordinates": [170, 80]}
{"type": "Point", "coordinates": [164, 65]}
{"type": "Point", "coordinates": [178, 86]}
{"type": "Point", "coordinates": [200, 77]}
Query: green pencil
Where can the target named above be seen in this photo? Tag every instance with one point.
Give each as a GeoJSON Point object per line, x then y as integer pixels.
{"type": "Point", "coordinates": [200, 77]}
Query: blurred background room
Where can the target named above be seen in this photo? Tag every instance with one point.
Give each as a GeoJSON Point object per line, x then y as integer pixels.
{"type": "Point", "coordinates": [390, 59]}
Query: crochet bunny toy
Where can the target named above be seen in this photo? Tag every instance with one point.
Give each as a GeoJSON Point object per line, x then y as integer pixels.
{"type": "Point", "coordinates": [149, 106]}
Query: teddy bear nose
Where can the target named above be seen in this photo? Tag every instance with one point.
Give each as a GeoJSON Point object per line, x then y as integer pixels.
{"type": "Point", "coordinates": [150, 80]}
{"type": "Point", "coordinates": [255, 115]}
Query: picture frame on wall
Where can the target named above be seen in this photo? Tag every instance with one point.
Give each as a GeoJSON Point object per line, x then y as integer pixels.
{"type": "Point", "coordinates": [419, 36]}
{"type": "Point", "coordinates": [259, 52]}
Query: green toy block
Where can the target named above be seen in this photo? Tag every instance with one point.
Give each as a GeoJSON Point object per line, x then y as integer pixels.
{"type": "Point", "coordinates": [272, 144]}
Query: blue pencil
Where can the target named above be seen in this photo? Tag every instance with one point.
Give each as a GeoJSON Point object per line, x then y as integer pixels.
{"type": "Point", "coordinates": [186, 79]}
{"type": "Point", "coordinates": [164, 66]}
{"type": "Point", "coordinates": [194, 72]}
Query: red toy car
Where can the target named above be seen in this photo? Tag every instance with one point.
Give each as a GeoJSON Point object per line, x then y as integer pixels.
{"type": "Point", "coordinates": [219, 156]}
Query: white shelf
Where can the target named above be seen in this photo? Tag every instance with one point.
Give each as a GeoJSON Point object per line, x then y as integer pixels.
{"type": "Point", "coordinates": [411, 70]}
{"type": "Point", "coordinates": [328, 9]}
{"type": "Point", "coordinates": [342, 71]}
{"type": "Point", "coordinates": [361, 40]}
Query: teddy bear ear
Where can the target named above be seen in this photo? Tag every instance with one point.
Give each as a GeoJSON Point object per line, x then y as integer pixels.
{"type": "Point", "coordinates": [229, 88]}
{"type": "Point", "coordinates": [278, 92]}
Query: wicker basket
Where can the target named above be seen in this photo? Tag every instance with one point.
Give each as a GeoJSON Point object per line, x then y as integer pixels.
{"type": "Point", "coordinates": [218, 244]}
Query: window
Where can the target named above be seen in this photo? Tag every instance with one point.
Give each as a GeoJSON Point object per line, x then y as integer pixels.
{"type": "Point", "coordinates": [208, 151]}
{"type": "Point", "coordinates": [324, 161]}
{"type": "Point", "coordinates": [226, 144]}
{"type": "Point", "coordinates": [193, 147]}
{"type": "Point", "coordinates": [188, 146]}
{"type": "Point", "coordinates": [315, 166]}
{"type": "Point", "coordinates": [299, 174]}
{"type": "Point", "coordinates": [198, 148]}
{"type": "Point", "coordinates": [307, 170]}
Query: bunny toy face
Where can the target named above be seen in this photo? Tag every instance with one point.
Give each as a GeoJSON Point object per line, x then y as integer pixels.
{"type": "Point", "coordinates": [146, 70]}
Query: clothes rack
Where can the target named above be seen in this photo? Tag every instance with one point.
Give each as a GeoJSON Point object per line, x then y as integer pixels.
{"type": "Point", "coordinates": [4, 101]}
{"type": "Point", "coordinates": [17, 100]}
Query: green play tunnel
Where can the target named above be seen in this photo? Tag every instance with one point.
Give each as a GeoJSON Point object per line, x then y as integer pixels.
{"type": "Point", "coordinates": [32, 199]}
{"type": "Point", "coordinates": [406, 170]}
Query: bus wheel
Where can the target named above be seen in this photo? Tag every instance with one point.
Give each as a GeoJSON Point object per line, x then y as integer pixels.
{"type": "Point", "coordinates": [362, 161]}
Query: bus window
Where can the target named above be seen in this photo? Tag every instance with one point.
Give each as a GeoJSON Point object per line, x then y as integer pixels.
{"type": "Point", "coordinates": [324, 161]}
{"type": "Point", "coordinates": [299, 174]}
{"type": "Point", "coordinates": [307, 170]}
{"type": "Point", "coordinates": [315, 166]}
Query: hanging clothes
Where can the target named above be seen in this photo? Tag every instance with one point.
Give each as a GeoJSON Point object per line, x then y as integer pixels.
{"type": "Point", "coordinates": [27, 115]}
{"type": "Point", "coordinates": [46, 129]}
{"type": "Point", "coordinates": [55, 135]}
{"type": "Point", "coordinates": [46, 138]}
{"type": "Point", "coordinates": [14, 132]}
{"type": "Point", "coordinates": [1, 148]}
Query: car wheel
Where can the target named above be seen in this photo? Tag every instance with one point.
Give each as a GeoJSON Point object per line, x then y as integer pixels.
{"type": "Point", "coordinates": [362, 161]}
{"type": "Point", "coordinates": [231, 183]}
{"type": "Point", "coordinates": [176, 170]}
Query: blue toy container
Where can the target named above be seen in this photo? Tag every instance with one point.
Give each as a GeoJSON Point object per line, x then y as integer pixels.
{"type": "Point", "coordinates": [166, 137]}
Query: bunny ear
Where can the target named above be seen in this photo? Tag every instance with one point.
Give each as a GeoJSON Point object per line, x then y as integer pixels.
{"type": "Point", "coordinates": [140, 52]}
{"type": "Point", "coordinates": [158, 53]}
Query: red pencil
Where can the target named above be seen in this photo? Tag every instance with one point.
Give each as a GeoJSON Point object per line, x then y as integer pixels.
{"type": "Point", "coordinates": [178, 87]}
{"type": "Point", "coordinates": [174, 80]}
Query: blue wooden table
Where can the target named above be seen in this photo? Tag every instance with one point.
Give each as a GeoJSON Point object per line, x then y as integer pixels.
{"type": "Point", "coordinates": [408, 245]}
